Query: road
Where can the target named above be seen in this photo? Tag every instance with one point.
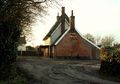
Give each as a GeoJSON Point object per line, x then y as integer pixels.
{"type": "Point", "coordinates": [59, 71]}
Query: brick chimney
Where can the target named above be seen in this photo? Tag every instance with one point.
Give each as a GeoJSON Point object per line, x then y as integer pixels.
{"type": "Point", "coordinates": [72, 21]}
{"type": "Point", "coordinates": [63, 20]}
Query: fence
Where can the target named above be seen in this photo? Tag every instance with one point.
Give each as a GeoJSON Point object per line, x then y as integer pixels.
{"type": "Point", "coordinates": [27, 53]}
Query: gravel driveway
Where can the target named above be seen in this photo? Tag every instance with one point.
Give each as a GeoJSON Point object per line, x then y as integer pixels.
{"type": "Point", "coordinates": [58, 71]}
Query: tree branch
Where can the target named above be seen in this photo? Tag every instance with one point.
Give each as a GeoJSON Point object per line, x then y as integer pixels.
{"type": "Point", "coordinates": [39, 2]}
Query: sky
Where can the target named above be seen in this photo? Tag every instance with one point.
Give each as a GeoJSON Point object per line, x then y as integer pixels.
{"type": "Point", "coordinates": [97, 17]}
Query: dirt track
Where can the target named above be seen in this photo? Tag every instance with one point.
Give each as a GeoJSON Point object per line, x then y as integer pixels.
{"type": "Point", "coordinates": [54, 71]}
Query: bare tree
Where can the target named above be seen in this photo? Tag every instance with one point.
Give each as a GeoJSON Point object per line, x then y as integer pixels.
{"type": "Point", "coordinates": [90, 37]}
{"type": "Point", "coordinates": [15, 17]}
{"type": "Point", "coordinates": [98, 40]}
{"type": "Point", "coordinates": [107, 41]}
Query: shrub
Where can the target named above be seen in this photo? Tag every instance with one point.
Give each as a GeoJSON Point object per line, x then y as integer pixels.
{"type": "Point", "coordinates": [110, 60]}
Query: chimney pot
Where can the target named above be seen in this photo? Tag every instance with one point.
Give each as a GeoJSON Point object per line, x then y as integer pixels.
{"type": "Point", "coordinates": [63, 10]}
{"type": "Point", "coordinates": [72, 13]}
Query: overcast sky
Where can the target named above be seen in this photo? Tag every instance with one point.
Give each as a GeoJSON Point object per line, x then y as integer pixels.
{"type": "Point", "coordinates": [97, 17]}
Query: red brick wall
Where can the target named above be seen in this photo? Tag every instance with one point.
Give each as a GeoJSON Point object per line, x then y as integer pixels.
{"type": "Point", "coordinates": [74, 45]}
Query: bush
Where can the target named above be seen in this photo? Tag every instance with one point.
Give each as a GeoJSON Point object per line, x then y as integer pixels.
{"type": "Point", "coordinates": [9, 36]}
{"type": "Point", "coordinates": [16, 80]}
{"type": "Point", "coordinates": [19, 78]}
{"type": "Point", "coordinates": [110, 60]}
{"type": "Point", "coordinates": [110, 68]}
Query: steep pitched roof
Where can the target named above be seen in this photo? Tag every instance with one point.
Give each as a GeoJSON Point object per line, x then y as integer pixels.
{"type": "Point", "coordinates": [55, 26]}
{"type": "Point", "coordinates": [79, 34]}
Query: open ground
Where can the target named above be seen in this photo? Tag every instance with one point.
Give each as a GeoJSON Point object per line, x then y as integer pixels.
{"type": "Point", "coordinates": [62, 71]}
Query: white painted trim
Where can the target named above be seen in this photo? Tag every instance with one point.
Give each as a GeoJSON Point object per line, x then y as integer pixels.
{"type": "Point", "coordinates": [62, 37]}
{"type": "Point", "coordinates": [87, 39]}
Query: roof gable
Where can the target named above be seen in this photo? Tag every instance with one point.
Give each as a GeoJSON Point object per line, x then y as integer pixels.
{"type": "Point", "coordinates": [80, 36]}
{"type": "Point", "coordinates": [55, 26]}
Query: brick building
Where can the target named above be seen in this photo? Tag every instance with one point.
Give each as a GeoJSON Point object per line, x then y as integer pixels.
{"type": "Point", "coordinates": [63, 40]}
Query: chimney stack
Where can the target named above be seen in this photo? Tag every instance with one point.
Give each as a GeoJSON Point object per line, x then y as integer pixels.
{"type": "Point", "coordinates": [63, 20]}
{"type": "Point", "coordinates": [72, 21]}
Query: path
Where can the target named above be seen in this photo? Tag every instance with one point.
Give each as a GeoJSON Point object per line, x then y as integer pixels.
{"type": "Point", "coordinates": [54, 71]}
